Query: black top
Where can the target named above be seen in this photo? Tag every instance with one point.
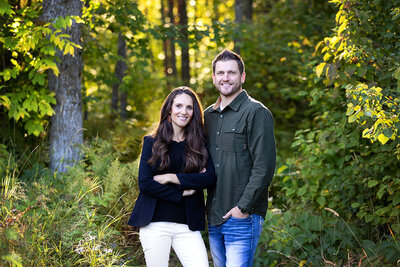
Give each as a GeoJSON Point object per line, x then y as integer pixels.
{"type": "Point", "coordinates": [167, 211]}
{"type": "Point", "coordinates": [165, 202]}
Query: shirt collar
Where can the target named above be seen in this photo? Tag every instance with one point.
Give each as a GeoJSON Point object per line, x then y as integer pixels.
{"type": "Point", "coordinates": [235, 104]}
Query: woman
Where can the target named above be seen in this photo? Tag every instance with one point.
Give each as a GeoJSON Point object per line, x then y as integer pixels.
{"type": "Point", "coordinates": [174, 169]}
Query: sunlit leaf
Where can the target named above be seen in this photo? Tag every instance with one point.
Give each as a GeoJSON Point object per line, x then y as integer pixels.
{"type": "Point", "coordinates": [320, 69]}
{"type": "Point", "coordinates": [382, 138]}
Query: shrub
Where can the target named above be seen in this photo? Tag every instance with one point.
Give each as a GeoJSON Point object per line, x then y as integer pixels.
{"type": "Point", "coordinates": [67, 219]}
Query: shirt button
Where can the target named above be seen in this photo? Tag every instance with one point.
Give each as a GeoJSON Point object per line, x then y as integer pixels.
{"type": "Point", "coordinates": [221, 115]}
{"type": "Point", "coordinates": [217, 165]}
{"type": "Point", "coordinates": [217, 132]}
{"type": "Point", "coordinates": [217, 148]}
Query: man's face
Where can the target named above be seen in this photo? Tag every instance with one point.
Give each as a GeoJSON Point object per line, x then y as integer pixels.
{"type": "Point", "coordinates": [227, 78]}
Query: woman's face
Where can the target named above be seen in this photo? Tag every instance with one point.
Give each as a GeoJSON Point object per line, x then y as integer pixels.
{"type": "Point", "coordinates": [181, 111]}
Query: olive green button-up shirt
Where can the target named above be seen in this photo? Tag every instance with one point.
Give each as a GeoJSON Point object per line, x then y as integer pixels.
{"type": "Point", "coordinates": [242, 146]}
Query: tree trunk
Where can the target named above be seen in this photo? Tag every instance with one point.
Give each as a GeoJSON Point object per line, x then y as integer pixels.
{"type": "Point", "coordinates": [123, 112]}
{"type": "Point", "coordinates": [114, 98]}
{"type": "Point", "coordinates": [66, 125]}
{"type": "Point", "coordinates": [243, 13]}
{"type": "Point", "coordinates": [183, 23]}
{"type": "Point", "coordinates": [239, 6]}
{"type": "Point", "coordinates": [173, 71]}
{"type": "Point", "coordinates": [120, 69]}
{"type": "Point", "coordinates": [165, 43]}
{"type": "Point", "coordinates": [168, 71]}
{"type": "Point", "coordinates": [248, 10]}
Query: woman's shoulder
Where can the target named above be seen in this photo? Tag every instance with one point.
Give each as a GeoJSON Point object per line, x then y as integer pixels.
{"type": "Point", "coordinates": [148, 140]}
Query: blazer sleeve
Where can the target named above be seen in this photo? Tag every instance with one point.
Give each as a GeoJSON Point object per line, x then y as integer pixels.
{"type": "Point", "coordinates": [147, 185]}
{"type": "Point", "coordinates": [199, 181]}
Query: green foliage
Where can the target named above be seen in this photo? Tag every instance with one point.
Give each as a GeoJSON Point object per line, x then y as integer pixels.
{"type": "Point", "coordinates": [336, 195]}
{"type": "Point", "coordinates": [27, 48]}
{"type": "Point", "coordinates": [362, 57]}
{"type": "Point", "coordinates": [68, 220]}
{"type": "Point", "coordinates": [118, 181]}
{"type": "Point", "coordinates": [103, 24]}
{"type": "Point", "coordinates": [278, 49]}
{"type": "Point", "coordinates": [323, 238]}
{"type": "Point", "coordinates": [333, 168]}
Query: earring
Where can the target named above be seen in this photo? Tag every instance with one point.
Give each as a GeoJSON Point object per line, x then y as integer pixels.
{"type": "Point", "coordinates": [169, 118]}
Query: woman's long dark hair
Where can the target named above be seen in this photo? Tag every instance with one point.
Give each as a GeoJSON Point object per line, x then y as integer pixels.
{"type": "Point", "coordinates": [196, 152]}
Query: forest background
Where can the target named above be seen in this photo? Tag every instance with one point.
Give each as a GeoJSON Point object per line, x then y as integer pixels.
{"type": "Point", "coordinates": [83, 81]}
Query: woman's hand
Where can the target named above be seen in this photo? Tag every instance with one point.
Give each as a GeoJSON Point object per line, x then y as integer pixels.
{"type": "Point", "coordinates": [166, 178]}
{"type": "Point", "coordinates": [188, 192]}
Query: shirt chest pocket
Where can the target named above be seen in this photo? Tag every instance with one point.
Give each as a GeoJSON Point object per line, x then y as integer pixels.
{"type": "Point", "coordinates": [234, 139]}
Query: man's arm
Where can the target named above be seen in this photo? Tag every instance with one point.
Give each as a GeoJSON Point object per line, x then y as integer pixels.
{"type": "Point", "coordinates": [261, 144]}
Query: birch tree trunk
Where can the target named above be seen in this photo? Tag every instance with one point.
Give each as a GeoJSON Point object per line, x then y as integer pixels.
{"type": "Point", "coordinates": [66, 125]}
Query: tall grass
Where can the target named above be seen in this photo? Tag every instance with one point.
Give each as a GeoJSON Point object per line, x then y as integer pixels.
{"type": "Point", "coordinates": [72, 219]}
{"type": "Point", "coordinates": [316, 238]}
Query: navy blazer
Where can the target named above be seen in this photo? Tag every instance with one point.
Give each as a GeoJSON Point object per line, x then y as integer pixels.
{"type": "Point", "coordinates": [151, 190]}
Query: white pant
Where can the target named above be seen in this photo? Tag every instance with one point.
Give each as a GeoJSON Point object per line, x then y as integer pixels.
{"type": "Point", "coordinates": [158, 237]}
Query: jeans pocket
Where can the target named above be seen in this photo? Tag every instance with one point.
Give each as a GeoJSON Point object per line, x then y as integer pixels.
{"type": "Point", "coordinates": [247, 219]}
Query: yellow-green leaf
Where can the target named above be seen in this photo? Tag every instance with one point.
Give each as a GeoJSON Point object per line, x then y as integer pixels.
{"type": "Point", "coordinates": [282, 168]}
{"type": "Point", "coordinates": [66, 49]}
{"type": "Point", "coordinates": [6, 101]}
{"type": "Point", "coordinates": [352, 118]}
{"type": "Point", "coordinates": [342, 27]}
{"type": "Point", "coordinates": [382, 138]}
{"type": "Point", "coordinates": [320, 69]}
{"type": "Point", "coordinates": [397, 73]}
{"type": "Point", "coordinates": [340, 16]}
{"type": "Point", "coordinates": [350, 109]}
{"type": "Point", "coordinates": [71, 50]}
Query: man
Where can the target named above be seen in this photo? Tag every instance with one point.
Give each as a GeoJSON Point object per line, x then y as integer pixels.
{"type": "Point", "coordinates": [240, 133]}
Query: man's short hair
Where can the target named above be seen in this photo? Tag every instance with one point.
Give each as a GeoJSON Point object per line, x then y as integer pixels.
{"type": "Point", "coordinates": [226, 55]}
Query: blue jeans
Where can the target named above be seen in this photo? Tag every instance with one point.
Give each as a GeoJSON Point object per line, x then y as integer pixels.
{"type": "Point", "coordinates": [234, 242]}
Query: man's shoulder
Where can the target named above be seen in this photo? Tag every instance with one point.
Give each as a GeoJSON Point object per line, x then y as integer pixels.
{"type": "Point", "coordinates": [210, 107]}
{"type": "Point", "coordinates": [208, 111]}
{"type": "Point", "coordinates": [253, 104]}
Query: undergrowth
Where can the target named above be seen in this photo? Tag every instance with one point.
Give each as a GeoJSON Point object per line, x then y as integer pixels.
{"type": "Point", "coordinates": [71, 219]}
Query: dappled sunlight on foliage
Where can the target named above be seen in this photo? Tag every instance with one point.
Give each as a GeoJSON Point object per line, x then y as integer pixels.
{"type": "Point", "coordinates": [329, 72]}
{"type": "Point", "coordinates": [362, 56]}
